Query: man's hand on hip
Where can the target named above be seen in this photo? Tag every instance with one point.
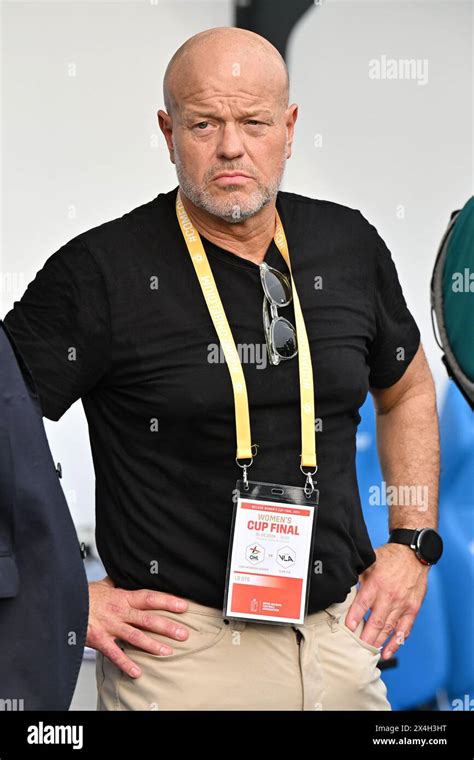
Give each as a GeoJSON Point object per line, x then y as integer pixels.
{"type": "Point", "coordinates": [116, 613]}
{"type": "Point", "coordinates": [393, 588]}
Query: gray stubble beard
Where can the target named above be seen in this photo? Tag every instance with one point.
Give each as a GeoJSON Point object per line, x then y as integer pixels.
{"type": "Point", "coordinates": [229, 210]}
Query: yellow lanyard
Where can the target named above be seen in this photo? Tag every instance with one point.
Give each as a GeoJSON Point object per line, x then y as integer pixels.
{"type": "Point", "coordinates": [216, 310]}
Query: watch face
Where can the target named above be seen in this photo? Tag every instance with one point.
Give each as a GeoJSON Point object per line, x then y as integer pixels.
{"type": "Point", "coordinates": [430, 545]}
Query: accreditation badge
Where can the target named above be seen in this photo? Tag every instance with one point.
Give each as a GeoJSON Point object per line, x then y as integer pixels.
{"type": "Point", "coordinates": [270, 553]}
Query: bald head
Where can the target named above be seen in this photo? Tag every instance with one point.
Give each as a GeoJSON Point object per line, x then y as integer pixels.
{"type": "Point", "coordinates": [228, 52]}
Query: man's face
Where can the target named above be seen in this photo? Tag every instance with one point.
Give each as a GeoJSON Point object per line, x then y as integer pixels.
{"type": "Point", "coordinates": [232, 127]}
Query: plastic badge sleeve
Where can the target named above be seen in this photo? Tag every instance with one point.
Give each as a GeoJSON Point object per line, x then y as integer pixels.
{"type": "Point", "coordinates": [269, 563]}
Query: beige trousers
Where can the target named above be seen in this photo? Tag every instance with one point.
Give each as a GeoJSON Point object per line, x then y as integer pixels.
{"type": "Point", "coordinates": [236, 665]}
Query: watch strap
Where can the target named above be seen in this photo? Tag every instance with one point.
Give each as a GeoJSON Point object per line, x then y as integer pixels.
{"type": "Point", "coordinates": [404, 536]}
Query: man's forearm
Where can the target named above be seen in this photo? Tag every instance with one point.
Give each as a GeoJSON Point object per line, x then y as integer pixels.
{"type": "Point", "coordinates": [408, 446]}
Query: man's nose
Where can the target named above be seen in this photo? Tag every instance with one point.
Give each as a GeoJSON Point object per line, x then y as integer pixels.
{"type": "Point", "coordinates": [230, 144]}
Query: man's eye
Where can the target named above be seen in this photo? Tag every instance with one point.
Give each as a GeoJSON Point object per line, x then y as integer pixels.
{"type": "Point", "coordinates": [201, 123]}
{"type": "Point", "coordinates": [254, 121]}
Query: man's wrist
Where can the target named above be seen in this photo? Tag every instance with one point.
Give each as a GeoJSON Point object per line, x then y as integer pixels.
{"type": "Point", "coordinates": [426, 543]}
{"type": "Point", "coordinates": [407, 554]}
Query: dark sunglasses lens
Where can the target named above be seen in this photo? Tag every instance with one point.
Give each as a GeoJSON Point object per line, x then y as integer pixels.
{"type": "Point", "coordinates": [284, 338]}
{"type": "Point", "coordinates": [276, 288]}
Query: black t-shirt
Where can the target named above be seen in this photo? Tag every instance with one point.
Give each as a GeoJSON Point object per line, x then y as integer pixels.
{"type": "Point", "coordinates": [117, 318]}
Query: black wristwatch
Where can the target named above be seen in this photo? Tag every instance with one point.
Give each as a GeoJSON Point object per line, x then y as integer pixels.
{"type": "Point", "coordinates": [426, 543]}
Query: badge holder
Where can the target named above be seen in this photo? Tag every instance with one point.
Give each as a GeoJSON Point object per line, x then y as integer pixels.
{"type": "Point", "coordinates": [270, 552]}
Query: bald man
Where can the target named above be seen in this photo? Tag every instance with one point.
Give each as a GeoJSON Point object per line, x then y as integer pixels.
{"type": "Point", "coordinates": [117, 318]}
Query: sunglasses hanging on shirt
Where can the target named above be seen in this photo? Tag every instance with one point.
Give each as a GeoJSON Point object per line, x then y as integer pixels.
{"type": "Point", "coordinates": [280, 335]}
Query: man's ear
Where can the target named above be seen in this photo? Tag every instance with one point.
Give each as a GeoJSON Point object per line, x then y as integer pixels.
{"type": "Point", "coordinates": [166, 125]}
{"type": "Point", "coordinates": [291, 116]}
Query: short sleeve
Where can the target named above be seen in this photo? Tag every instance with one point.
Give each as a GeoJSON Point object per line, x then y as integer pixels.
{"type": "Point", "coordinates": [397, 336]}
{"type": "Point", "coordinates": [61, 327]}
